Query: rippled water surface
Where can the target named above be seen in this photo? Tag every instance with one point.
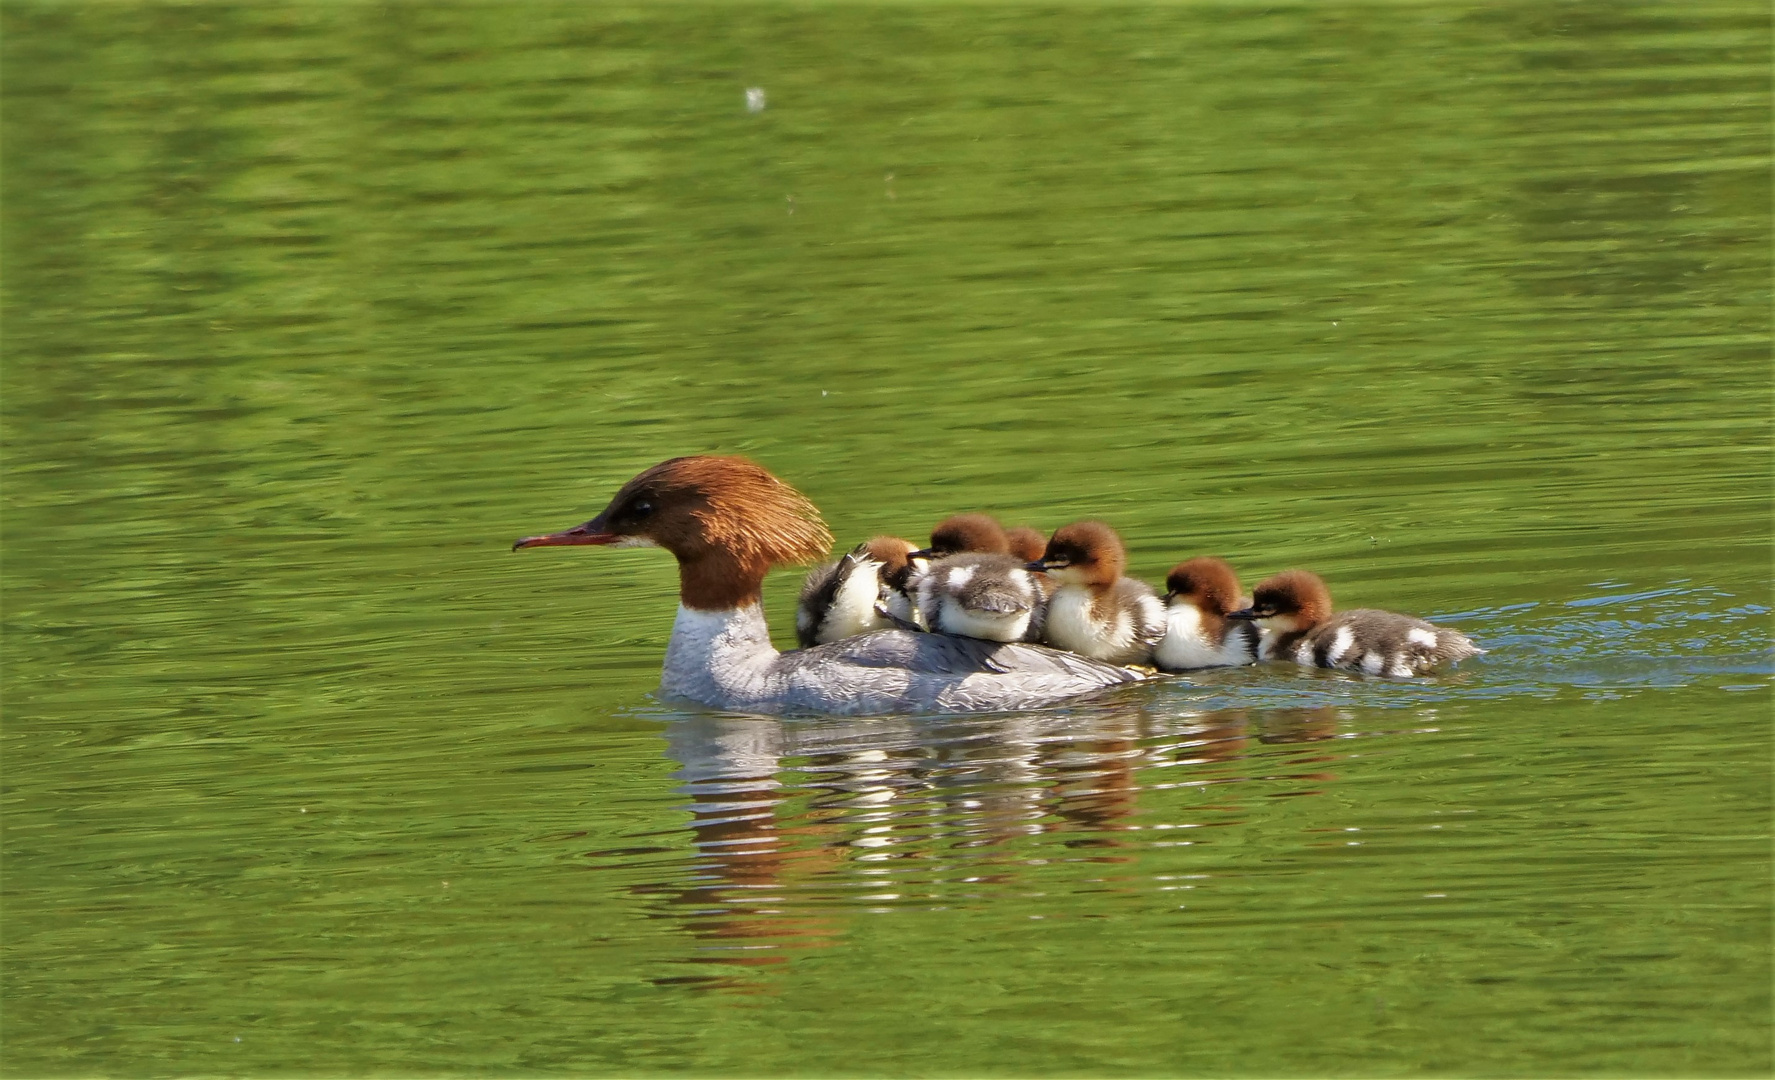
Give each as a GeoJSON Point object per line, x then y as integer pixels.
{"type": "Point", "coordinates": [311, 309]}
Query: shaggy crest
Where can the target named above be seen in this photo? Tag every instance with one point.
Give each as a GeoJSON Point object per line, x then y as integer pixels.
{"type": "Point", "coordinates": [740, 506]}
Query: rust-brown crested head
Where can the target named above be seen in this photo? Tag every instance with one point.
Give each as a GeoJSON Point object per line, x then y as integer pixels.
{"type": "Point", "coordinates": [691, 505]}
{"type": "Point", "coordinates": [1086, 553]}
{"type": "Point", "coordinates": [1026, 543]}
{"type": "Point", "coordinates": [1209, 583]}
{"type": "Point", "coordinates": [726, 519]}
{"type": "Point", "coordinates": [1299, 594]}
{"type": "Point", "coordinates": [969, 533]}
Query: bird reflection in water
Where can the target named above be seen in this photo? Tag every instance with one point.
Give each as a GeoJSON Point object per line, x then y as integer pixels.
{"type": "Point", "coordinates": [801, 826]}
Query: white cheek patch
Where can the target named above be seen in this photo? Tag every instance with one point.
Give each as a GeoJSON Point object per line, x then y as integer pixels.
{"type": "Point", "coordinates": [1419, 636]}
{"type": "Point", "coordinates": [632, 541]}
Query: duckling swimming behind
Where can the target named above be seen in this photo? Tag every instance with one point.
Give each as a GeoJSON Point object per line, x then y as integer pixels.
{"type": "Point", "coordinates": [1294, 610]}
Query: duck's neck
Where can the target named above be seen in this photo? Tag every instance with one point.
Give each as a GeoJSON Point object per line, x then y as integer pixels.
{"type": "Point", "coordinates": [720, 658]}
{"type": "Point", "coordinates": [715, 579]}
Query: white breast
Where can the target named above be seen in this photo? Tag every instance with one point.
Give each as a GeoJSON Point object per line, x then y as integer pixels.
{"type": "Point", "coordinates": [853, 607]}
{"type": "Point", "coordinates": [1073, 624]}
{"type": "Point", "coordinates": [1184, 646]}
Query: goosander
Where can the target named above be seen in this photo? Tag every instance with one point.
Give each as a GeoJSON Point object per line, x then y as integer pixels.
{"type": "Point", "coordinates": [728, 521]}
{"type": "Point", "coordinates": [1094, 610]}
{"type": "Point", "coordinates": [975, 587]}
{"type": "Point", "coordinates": [851, 596]}
{"type": "Point", "coordinates": [1294, 610]}
{"type": "Point", "coordinates": [1025, 543]}
{"type": "Point", "coordinates": [1200, 594]}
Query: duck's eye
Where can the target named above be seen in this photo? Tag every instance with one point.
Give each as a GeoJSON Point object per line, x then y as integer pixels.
{"type": "Point", "coordinates": [640, 508]}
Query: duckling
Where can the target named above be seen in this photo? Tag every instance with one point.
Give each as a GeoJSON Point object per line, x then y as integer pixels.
{"type": "Point", "coordinates": [1026, 543]}
{"type": "Point", "coordinates": [1094, 610]}
{"type": "Point", "coordinates": [981, 596]}
{"type": "Point", "coordinates": [1200, 594]}
{"type": "Point", "coordinates": [962, 533]}
{"type": "Point", "coordinates": [966, 583]}
{"type": "Point", "coordinates": [1294, 610]}
{"type": "Point", "coordinates": [856, 594]}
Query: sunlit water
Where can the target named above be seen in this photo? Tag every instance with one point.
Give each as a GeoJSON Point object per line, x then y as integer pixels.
{"type": "Point", "coordinates": [310, 310]}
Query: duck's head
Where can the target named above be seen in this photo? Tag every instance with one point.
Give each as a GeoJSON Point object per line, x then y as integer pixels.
{"type": "Point", "coordinates": [726, 519]}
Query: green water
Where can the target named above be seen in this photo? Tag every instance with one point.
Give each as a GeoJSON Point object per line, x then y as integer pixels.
{"type": "Point", "coordinates": [310, 310]}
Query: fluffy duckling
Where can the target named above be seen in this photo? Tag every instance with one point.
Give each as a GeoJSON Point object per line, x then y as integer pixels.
{"type": "Point", "coordinates": [856, 594]}
{"type": "Point", "coordinates": [1094, 610]}
{"type": "Point", "coordinates": [966, 583]}
{"type": "Point", "coordinates": [1294, 610]}
{"type": "Point", "coordinates": [1200, 594]}
{"type": "Point", "coordinates": [963, 533]}
{"type": "Point", "coordinates": [1026, 543]}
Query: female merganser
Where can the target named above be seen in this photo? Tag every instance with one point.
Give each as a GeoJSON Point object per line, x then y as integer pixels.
{"type": "Point", "coordinates": [1294, 610]}
{"type": "Point", "coordinates": [1200, 594]}
{"type": "Point", "coordinates": [1094, 610]}
{"type": "Point", "coordinates": [1025, 543]}
{"type": "Point", "coordinates": [728, 521]}
{"type": "Point", "coordinates": [852, 596]}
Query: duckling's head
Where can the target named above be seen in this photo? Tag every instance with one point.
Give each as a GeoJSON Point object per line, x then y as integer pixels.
{"type": "Point", "coordinates": [890, 552]}
{"type": "Point", "coordinates": [1205, 581]}
{"type": "Point", "coordinates": [1292, 601]}
{"type": "Point", "coordinates": [965, 534]}
{"type": "Point", "coordinates": [1026, 543]}
{"type": "Point", "coordinates": [1084, 553]}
